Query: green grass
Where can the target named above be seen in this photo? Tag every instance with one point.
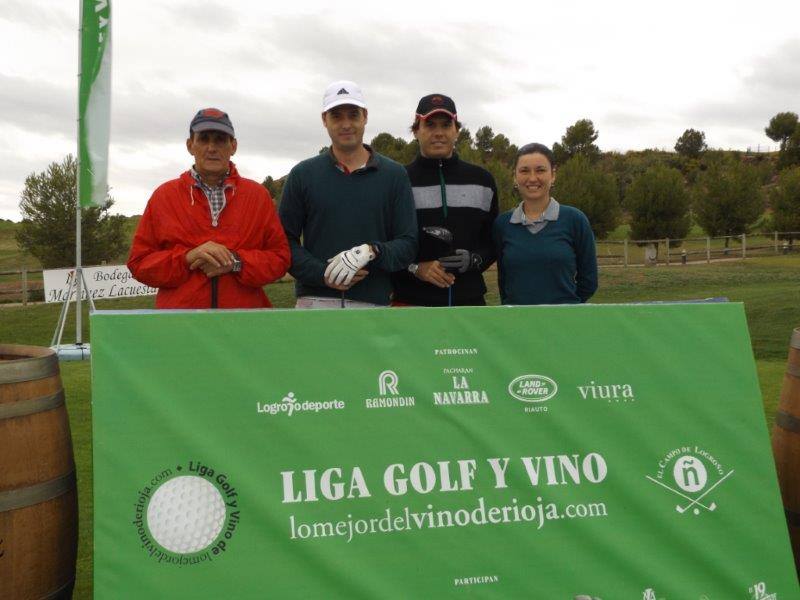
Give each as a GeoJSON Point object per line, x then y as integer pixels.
{"type": "Point", "coordinates": [76, 379]}
{"type": "Point", "coordinates": [10, 256]}
{"type": "Point", "coordinates": [769, 288]}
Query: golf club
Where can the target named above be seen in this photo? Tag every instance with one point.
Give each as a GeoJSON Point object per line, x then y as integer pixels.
{"type": "Point", "coordinates": [445, 239]}
{"type": "Point", "coordinates": [681, 494]}
{"type": "Point", "coordinates": [704, 494]}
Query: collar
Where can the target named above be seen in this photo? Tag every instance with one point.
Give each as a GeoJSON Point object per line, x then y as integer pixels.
{"type": "Point", "coordinates": [372, 161]}
{"type": "Point", "coordinates": [433, 163]}
{"type": "Point", "coordinates": [200, 183]}
{"type": "Point", "coordinates": [550, 213]}
{"type": "Point", "coordinates": [190, 177]}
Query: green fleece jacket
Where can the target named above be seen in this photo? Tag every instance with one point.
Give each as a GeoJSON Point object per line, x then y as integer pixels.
{"type": "Point", "coordinates": [325, 211]}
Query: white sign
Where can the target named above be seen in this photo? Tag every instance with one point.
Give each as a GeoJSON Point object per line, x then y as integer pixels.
{"type": "Point", "coordinates": [112, 281]}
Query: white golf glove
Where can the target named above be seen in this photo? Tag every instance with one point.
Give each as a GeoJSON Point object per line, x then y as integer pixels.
{"type": "Point", "coordinates": [345, 265]}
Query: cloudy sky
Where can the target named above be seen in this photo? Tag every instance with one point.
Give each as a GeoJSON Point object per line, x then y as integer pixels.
{"type": "Point", "coordinates": [642, 71]}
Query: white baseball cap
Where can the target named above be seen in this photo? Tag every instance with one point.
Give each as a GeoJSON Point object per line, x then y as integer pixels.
{"type": "Point", "coordinates": [342, 92]}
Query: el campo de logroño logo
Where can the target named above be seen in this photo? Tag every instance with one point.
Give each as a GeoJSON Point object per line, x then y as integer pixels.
{"type": "Point", "coordinates": [693, 476]}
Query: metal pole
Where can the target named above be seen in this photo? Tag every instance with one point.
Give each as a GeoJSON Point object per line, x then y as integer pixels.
{"type": "Point", "coordinates": [78, 277]}
{"type": "Point", "coordinates": [78, 274]}
{"type": "Point", "coordinates": [24, 286]}
{"type": "Point", "coordinates": [776, 242]}
{"type": "Point", "coordinates": [89, 298]}
{"type": "Point", "coordinates": [708, 249]}
{"type": "Point", "coordinates": [625, 251]}
{"type": "Point", "coordinates": [744, 245]}
{"type": "Point", "coordinates": [62, 319]}
{"type": "Point", "coordinates": [666, 241]}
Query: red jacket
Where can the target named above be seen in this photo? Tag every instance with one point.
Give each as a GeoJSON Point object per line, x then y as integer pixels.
{"type": "Point", "coordinates": [178, 218]}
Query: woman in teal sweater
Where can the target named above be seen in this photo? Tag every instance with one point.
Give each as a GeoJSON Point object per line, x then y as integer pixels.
{"type": "Point", "coordinates": [546, 252]}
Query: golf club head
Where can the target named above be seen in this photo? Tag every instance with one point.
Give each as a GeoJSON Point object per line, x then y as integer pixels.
{"type": "Point", "coordinates": [442, 234]}
{"type": "Point", "coordinates": [442, 239]}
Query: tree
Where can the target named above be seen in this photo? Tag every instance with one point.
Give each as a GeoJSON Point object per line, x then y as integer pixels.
{"type": "Point", "coordinates": [781, 127]}
{"type": "Point", "coordinates": [727, 199]}
{"type": "Point", "coordinates": [691, 144]}
{"type": "Point", "coordinates": [274, 187]}
{"type": "Point", "coordinates": [784, 199]}
{"type": "Point", "coordinates": [579, 139]}
{"type": "Point", "coordinates": [658, 204]}
{"type": "Point", "coordinates": [483, 141]}
{"type": "Point", "coordinates": [464, 140]}
{"type": "Point", "coordinates": [586, 187]}
{"type": "Point", "coordinates": [388, 145]}
{"type": "Point", "coordinates": [625, 167]}
{"type": "Point", "coordinates": [47, 231]}
{"type": "Point", "coordinates": [503, 150]}
{"type": "Point", "coordinates": [790, 155]}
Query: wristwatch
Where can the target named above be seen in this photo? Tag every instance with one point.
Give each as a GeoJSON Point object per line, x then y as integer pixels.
{"type": "Point", "coordinates": [237, 263]}
{"type": "Point", "coordinates": [413, 268]}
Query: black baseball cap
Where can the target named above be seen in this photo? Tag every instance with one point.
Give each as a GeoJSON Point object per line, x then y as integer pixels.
{"type": "Point", "coordinates": [211, 119]}
{"type": "Point", "coordinates": [436, 103]}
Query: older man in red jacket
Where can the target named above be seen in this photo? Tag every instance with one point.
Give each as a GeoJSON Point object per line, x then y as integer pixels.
{"type": "Point", "coordinates": [210, 238]}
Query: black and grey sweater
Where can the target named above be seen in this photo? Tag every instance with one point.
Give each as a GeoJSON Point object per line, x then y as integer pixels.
{"type": "Point", "coordinates": [462, 197]}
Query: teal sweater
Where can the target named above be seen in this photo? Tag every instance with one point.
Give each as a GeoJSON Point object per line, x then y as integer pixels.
{"type": "Point", "coordinates": [325, 211]}
{"type": "Point", "coordinates": [557, 265]}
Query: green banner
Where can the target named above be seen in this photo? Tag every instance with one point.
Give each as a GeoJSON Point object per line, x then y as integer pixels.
{"type": "Point", "coordinates": [608, 452]}
{"type": "Point", "coordinates": [94, 101]}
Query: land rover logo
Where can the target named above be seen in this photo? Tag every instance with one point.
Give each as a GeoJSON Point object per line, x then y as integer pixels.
{"type": "Point", "coordinates": [533, 388]}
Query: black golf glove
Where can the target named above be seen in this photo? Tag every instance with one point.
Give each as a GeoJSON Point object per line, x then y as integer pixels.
{"type": "Point", "coordinates": [462, 261]}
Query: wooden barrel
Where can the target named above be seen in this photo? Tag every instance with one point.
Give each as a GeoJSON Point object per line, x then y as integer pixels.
{"type": "Point", "coordinates": [38, 497]}
{"type": "Point", "coordinates": [786, 444]}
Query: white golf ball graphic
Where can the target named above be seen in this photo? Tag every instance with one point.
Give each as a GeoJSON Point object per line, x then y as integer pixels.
{"type": "Point", "coordinates": [186, 514]}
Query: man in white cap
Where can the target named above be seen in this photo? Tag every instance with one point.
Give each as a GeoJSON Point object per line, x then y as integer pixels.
{"type": "Point", "coordinates": [348, 213]}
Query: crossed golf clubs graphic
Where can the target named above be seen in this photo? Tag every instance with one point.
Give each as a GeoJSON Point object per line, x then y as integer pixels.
{"type": "Point", "coordinates": [696, 501]}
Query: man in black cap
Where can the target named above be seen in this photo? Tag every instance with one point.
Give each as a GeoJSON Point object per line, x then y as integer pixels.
{"type": "Point", "coordinates": [456, 204]}
{"type": "Point", "coordinates": [210, 238]}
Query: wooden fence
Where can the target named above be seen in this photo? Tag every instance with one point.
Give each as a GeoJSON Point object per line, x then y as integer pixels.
{"type": "Point", "coordinates": [26, 285]}
{"type": "Point", "coordinates": [701, 249]}
{"type": "Point", "coordinates": [23, 286]}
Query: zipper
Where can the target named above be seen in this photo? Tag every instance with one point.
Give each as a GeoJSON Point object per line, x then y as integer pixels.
{"type": "Point", "coordinates": [443, 189]}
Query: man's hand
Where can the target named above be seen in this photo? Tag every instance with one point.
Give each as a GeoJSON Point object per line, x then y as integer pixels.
{"type": "Point", "coordinates": [210, 253]}
{"type": "Point", "coordinates": [462, 261]}
{"type": "Point", "coordinates": [212, 271]}
{"type": "Point", "coordinates": [360, 274]}
{"type": "Point", "coordinates": [433, 272]}
{"type": "Point", "coordinates": [344, 266]}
